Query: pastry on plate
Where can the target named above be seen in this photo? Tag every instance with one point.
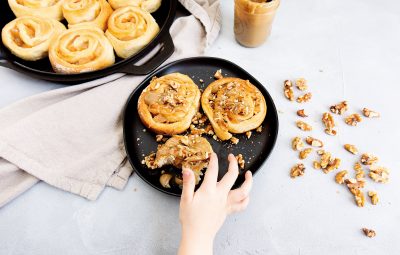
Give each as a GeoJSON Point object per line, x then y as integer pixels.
{"type": "Point", "coordinates": [79, 50]}
{"type": "Point", "coordinates": [43, 8]}
{"type": "Point", "coordinates": [190, 151]}
{"type": "Point", "coordinates": [29, 37]}
{"type": "Point", "coordinates": [91, 13]}
{"type": "Point", "coordinates": [148, 5]}
{"type": "Point", "coordinates": [234, 106]}
{"type": "Point", "coordinates": [130, 29]}
{"type": "Point", "coordinates": [168, 104]}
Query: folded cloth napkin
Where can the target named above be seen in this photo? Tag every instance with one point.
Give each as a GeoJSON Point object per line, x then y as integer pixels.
{"type": "Point", "coordinates": [71, 138]}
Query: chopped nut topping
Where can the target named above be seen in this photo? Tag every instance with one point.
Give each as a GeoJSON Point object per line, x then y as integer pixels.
{"type": "Point", "coordinates": [339, 108]}
{"type": "Point", "coordinates": [353, 119]}
{"type": "Point", "coordinates": [301, 113]}
{"type": "Point", "coordinates": [329, 123]}
{"type": "Point", "coordinates": [234, 140]}
{"type": "Point", "coordinates": [259, 129]}
{"type": "Point", "coordinates": [304, 98]}
{"type": "Point", "coordinates": [368, 159]}
{"type": "Point", "coordinates": [297, 144]}
{"type": "Point", "coordinates": [196, 131]}
{"type": "Point", "coordinates": [341, 176]}
{"type": "Point", "coordinates": [379, 174]}
{"type": "Point", "coordinates": [359, 197]}
{"type": "Point", "coordinates": [316, 165]}
{"type": "Point", "coordinates": [304, 153]}
{"type": "Point", "coordinates": [218, 74]}
{"type": "Point", "coordinates": [240, 161]}
{"type": "Point", "coordinates": [209, 129]}
{"type": "Point", "coordinates": [374, 197]}
{"type": "Point", "coordinates": [370, 114]}
{"type": "Point", "coordinates": [150, 161]}
{"type": "Point", "coordinates": [369, 232]}
{"type": "Point", "coordinates": [248, 134]}
{"type": "Point", "coordinates": [159, 138]}
{"type": "Point", "coordinates": [297, 170]}
{"type": "Point", "coordinates": [351, 148]}
{"type": "Point", "coordinates": [288, 90]}
{"type": "Point", "coordinates": [314, 142]}
{"type": "Point", "coordinates": [303, 126]}
{"type": "Point", "coordinates": [301, 84]}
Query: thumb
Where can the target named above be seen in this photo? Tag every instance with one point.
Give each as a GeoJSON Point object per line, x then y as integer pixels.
{"type": "Point", "coordinates": [188, 185]}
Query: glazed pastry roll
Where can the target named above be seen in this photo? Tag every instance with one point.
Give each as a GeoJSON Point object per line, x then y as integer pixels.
{"type": "Point", "coordinates": [233, 105]}
{"type": "Point", "coordinates": [43, 8]}
{"type": "Point", "coordinates": [92, 13]}
{"type": "Point", "coordinates": [148, 5]}
{"type": "Point", "coordinates": [81, 49]}
{"type": "Point", "coordinates": [29, 37]}
{"type": "Point", "coordinates": [168, 104]}
{"type": "Point", "coordinates": [130, 29]}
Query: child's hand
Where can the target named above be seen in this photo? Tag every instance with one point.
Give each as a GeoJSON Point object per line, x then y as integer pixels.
{"type": "Point", "coordinates": [203, 212]}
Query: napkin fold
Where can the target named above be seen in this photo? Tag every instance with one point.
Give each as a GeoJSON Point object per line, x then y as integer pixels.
{"type": "Point", "coordinates": [71, 138]}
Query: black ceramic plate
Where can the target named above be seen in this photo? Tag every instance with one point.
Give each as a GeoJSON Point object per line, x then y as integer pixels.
{"type": "Point", "coordinates": [140, 142]}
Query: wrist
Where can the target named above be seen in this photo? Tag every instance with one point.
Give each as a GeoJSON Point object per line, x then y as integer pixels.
{"type": "Point", "coordinates": [196, 242]}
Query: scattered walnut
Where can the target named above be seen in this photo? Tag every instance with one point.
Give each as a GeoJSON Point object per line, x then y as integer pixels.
{"type": "Point", "coordinates": [304, 153]}
{"type": "Point", "coordinates": [360, 174]}
{"type": "Point", "coordinates": [370, 114]}
{"type": "Point", "coordinates": [301, 84]}
{"type": "Point", "coordinates": [355, 184]}
{"type": "Point", "coordinates": [374, 197]}
{"type": "Point", "coordinates": [359, 197]}
{"type": "Point", "coordinates": [297, 170]}
{"type": "Point", "coordinates": [329, 123]}
{"type": "Point", "coordinates": [259, 129]}
{"type": "Point", "coordinates": [320, 152]}
{"type": "Point", "coordinates": [303, 126]}
{"type": "Point", "coordinates": [368, 159]}
{"type": "Point", "coordinates": [325, 159]}
{"type": "Point", "coordinates": [379, 174]}
{"type": "Point", "coordinates": [240, 160]}
{"type": "Point", "coordinates": [357, 166]}
{"type": "Point", "coordinates": [351, 148]}
{"type": "Point", "coordinates": [234, 140]}
{"type": "Point", "coordinates": [316, 165]}
{"type": "Point", "coordinates": [301, 113]}
{"type": "Point", "coordinates": [248, 134]}
{"type": "Point", "coordinates": [353, 119]}
{"type": "Point", "coordinates": [314, 142]}
{"type": "Point", "coordinates": [304, 98]}
{"type": "Point", "coordinates": [332, 165]}
{"type": "Point", "coordinates": [339, 108]}
{"type": "Point", "coordinates": [369, 232]}
{"type": "Point", "coordinates": [218, 74]}
{"type": "Point", "coordinates": [341, 176]}
{"type": "Point", "coordinates": [288, 90]}
{"type": "Point", "coordinates": [297, 144]}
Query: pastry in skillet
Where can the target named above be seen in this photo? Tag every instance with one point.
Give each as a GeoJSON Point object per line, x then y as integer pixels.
{"type": "Point", "coordinates": [233, 105]}
{"type": "Point", "coordinates": [190, 151]}
{"type": "Point", "coordinates": [29, 37]}
{"type": "Point", "coordinates": [91, 13]}
{"type": "Point", "coordinates": [130, 29]}
{"type": "Point", "coordinates": [148, 5]}
{"type": "Point", "coordinates": [168, 104]}
{"type": "Point", "coordinates": [81, 49]}
{"type": "Point", "coordinates": [43, 8]}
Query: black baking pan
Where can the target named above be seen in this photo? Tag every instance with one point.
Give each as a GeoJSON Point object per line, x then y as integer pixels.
{"type": "Point", "coordinates": [42, 69]}
{"type": "Point", "coordinates": [140, 142]}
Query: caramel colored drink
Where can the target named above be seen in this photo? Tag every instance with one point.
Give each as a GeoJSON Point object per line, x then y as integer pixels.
{"type": "Point", "coordinates": [253, 21]}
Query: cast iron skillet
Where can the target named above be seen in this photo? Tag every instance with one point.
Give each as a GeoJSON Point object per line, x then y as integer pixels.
{"type": "Point", "coordinates": [140, 142]}
{"type": "Point", "coordinates": [42, 69]}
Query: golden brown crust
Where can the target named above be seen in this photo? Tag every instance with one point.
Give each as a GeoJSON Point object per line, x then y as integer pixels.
{"type": "Point", "coordinates": [168, 104]}
{"type": "Point", "coordinates": [147, 5]}
{"type": "Point", "coordinates": [233, 105]}
{"type": "Point", "coordinates": [43, 8]}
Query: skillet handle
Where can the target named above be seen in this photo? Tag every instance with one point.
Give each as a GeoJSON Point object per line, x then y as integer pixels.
{"type": "Point", "coordinates": [166, 50]}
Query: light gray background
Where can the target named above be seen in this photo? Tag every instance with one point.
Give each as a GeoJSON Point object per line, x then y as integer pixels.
{"type": "Point", "coordinates": [347, 50]}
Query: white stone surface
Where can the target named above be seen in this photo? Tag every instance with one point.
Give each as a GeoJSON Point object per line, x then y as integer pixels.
{"type": "Point", "coordinates": [347, 50]}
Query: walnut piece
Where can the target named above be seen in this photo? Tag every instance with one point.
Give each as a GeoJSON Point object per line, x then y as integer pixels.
{"type": "Point", "coordinates": [341, 176]}
{"type": "Point", "coordinates": [259, 129]}
{"type": "Point", "coordinates": [327, 162]}
{"type": "Point", "coordinates": [369, 232]}
{"type": "Point", "coordinates": [297, 144]}
{"type": "Point", "coordinates": [360, 174]}
{"type": "Point", "coordinates": [218, 74]}
{"type": "Point", "coordinates": [301, 113]}
{"type": "Point", "coordinates": [357, 166]}
{"type": "Point", "coordinates": [368, 159]}
{"type": "Point", "coordinates": [304, 153]}
{"type": "Point", "coordinates": [329, 123]}
{"type": "Point", "coordinates": [379, 174]}
{"type": "Point", "coordinates": [353, 119]}
{"type": "Point", "coordinates": [354, 183]}
{"type": "Point", "coordinates": [314, 142]}
{"type": "Point", "coordinates": [240, 160]}
{"type": "Point", "coordinates": [297, 170]}
{"type": "Point", "coordinates": [339, 108]}
{"type": "Point", "coordinates": [301, 84]}
{"type": "Point", "coordinates": [234, 140]}
{"type": "Point", "coordinates": [351, 148]}
{"type": "Point", "coordinates": [303, 126]}
{"type": "Point", "coordinates": [370, 114]}
{"type": "Point", "coordinates": [316, 165]}
{"type": "Point", "coordinates": [359, 197]}
{"type": "Point", "coordinates": [159, 138]}
{"type": "Point", "coordinates": [304, 98]}
{"type": "Point", "coordinates": [288, 90]}
{"type": "Point", "coordinates": [374, 197]}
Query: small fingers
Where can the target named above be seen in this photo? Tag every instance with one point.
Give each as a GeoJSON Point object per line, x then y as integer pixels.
{"type": "Point", "coordinates": [188, 185]}
{"type": "Point", "coordinates": [230, 177]}
{"type": "Point", "coordinates": [211, 175]}
{"type": "Point", "coordinates": [243, 192]}
{"type": "Point", "coordinates": [240, 206]}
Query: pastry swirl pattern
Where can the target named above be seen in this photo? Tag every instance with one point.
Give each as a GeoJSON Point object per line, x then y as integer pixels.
{"type": "Point", "coordinates": [40, 8]}
{"type": "Point", "coordinates": [148, 5]}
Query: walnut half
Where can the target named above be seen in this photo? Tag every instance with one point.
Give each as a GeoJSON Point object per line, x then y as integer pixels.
{"type": "Point", "coordinates": [370, 114]}
{"type": "Point", "coordinates": [314, 142]}
{"type": "Point", "coordinates": [304, 98]}
{"type": "Point", "coordinates": [369, 232]}
{"type": "Point", "coordinates": [353, 119]}
{"type": "Point", "coordinates": [303, 125]}
{"type": "Point", "coordinates": [301, 84]}
{"type": "Point", "coordinates": [368, 159]}
{"type": "Point", "coordinates": [374, 197]}
{"type": "Point", "coordinates": [339, 108]}
{"type": "Point", "coordinates": [304, 153]}
{"type": "Point", "coordinates": [297, 170]}
{"type": "Point", "coordinates": [288, 90]}
{"type": "Point", "coordinates": [379, 174]}
{"type": "Point", "coordinates": [341, 176]}
{"type": "Point", "coordinates": [297, 144]}
{"type": "Point", "coordinates": [351, 148]}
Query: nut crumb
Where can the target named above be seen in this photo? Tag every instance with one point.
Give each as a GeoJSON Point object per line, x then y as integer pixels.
{"type": "Point", "coordinates": [240, 160]}
{"type": "Point", "coordinates": [304, 98]}
{"type": "Point", "coordinates": [369, 232]}
{"type": "Point", "coordinates": [339, 108]}
{"type": "Point", "coordinates": [370, 114]}
{"type": "Point", "coordinates": [297, 170]}
{"type": "Point", "coordinates": [351, 148]}
{"type": "Point", "coordinates": [159, 138]}
{"type": "Point", "coordinates": [297, 144]}
{"type": "Point", "coordinates": [374, 197]}
{"type": "Point", "coordinates": [368, 159]}
{"type": "Point", "coordinates": [259, 129]}
{"type": "Point", "coordinates": [341, 176]}
{"type": "Point", "coordinates": [303, 125]}
{"type": "Point", "coordinates": [379, 174]}
{"type": "Point", "coordinates": [288, 90]}
{"type": "Point", "coordinates": [215, 137]}
{"type": "Point", "coordinates": [314, 142]}
{"type": "Point", "coordinates": [201, 81]}
{"type": "Point", "coordinates": [304, 153]}
{"type": "Point", "coordinates": [301, 113]}
{"type": "Point", "coordinates": [218, 74]}
{"type": "Point", "coordinates": [301, 84]}
{"type": "Point", "coordinates": [234, 140]}
{"type": "Point", "coordinates": [248, 134]}
{"type": "Point", "coordinates": [353, 119]}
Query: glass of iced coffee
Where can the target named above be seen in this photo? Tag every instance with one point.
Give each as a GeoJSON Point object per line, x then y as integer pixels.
{"type": "Point", "coordinates": [253, 21]}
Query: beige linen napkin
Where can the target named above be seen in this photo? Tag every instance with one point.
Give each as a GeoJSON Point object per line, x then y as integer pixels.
{"type": "Point", "coordinates": [71, 138]}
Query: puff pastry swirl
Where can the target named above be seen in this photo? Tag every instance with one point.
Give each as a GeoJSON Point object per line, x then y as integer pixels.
{"type": "Point", "coordinates": [81, 49]}
{"type": "Point", "coordinates": [29, 37]}
{"type": "Point", "coordinates": [43, 8]}
{"type": "Point", "coordinates": [130, 29]}
{"type": "Point", "coordinates": [92, 13]}
{"type": "Point", "coordinates": [148, 5]}
{"type": "Point", "coordinates": [233, 105]}
{"type": "Point", "coordinates": [168, 104]}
